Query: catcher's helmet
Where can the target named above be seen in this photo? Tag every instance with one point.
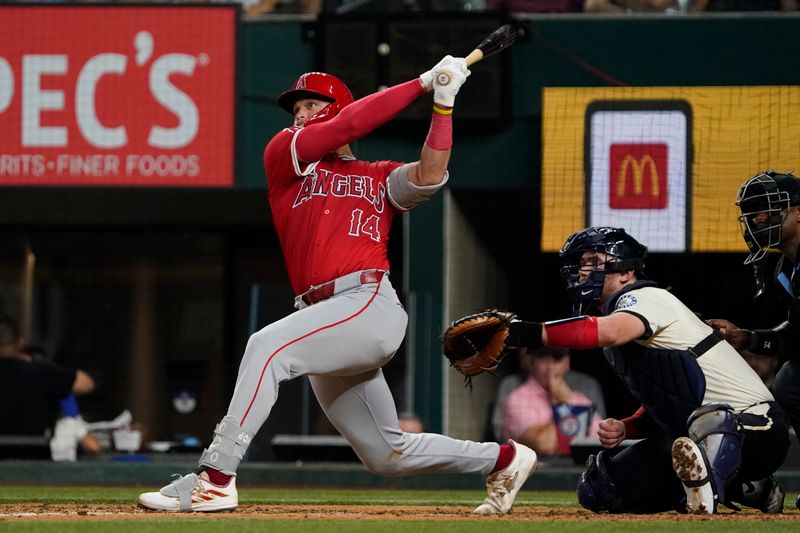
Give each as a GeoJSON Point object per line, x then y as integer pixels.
{"type": "Point", "coordinates": [623, 253]}
{"type": "Point", "coordinates": [765, 200]}
{"type": "Point", "coordinates": [318, 85]}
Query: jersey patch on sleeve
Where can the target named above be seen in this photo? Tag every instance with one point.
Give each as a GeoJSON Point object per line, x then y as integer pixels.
{"type": "Point", "coordinates": [626, 301]}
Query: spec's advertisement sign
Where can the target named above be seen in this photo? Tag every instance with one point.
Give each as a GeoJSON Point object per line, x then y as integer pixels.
{"type": "Point", "coordinates": [117, 95]}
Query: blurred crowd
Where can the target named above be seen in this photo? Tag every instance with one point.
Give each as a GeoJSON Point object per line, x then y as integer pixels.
{"type": "Point", "coordinates": [314, 7]}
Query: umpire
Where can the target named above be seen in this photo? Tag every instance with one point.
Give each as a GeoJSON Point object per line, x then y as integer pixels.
{"type": "Point", "coordinates": [770, 220]}
{"type": "Point", "coordinates": [709, 425]}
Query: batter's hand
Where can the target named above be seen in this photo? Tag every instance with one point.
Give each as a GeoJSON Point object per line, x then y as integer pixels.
{"type": "Point", "coordinates": [426, 78]}
{"type": "Point", "coordinates": [738, 338]}
{"type": "Point", "coordinates": [611, 432]}
{"type": "Point", "coordinates": [450, 76]}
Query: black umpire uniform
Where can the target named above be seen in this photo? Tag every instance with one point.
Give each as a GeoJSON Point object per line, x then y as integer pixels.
{"type": "Point", "coordinates": [770, 219]}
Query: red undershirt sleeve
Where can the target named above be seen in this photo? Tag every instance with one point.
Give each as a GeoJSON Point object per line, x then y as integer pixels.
{"type": "Point", "coordinates": [640, 424]}
{"type": "Point", "coordinates": [580, 333]}
{"type": "Point", "coordinates": [355, 120]}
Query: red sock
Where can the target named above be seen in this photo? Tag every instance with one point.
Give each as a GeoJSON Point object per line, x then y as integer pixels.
{"type": "Point", "coordinates": [504, 458]}
{"type": "Point", "coordinates": [217, 478]}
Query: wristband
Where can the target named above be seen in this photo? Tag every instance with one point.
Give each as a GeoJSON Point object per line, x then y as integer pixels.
{"type": "Point", "coordinates": [765, 342]}
{"type": "Point", "coordinates": [525, 334]}
{"type": "Point", "coordinates": [580, 333]}
{"type": "Point", "coordinates": [440, 134]}
{"type": "Point", "coordinates": [442, 110]}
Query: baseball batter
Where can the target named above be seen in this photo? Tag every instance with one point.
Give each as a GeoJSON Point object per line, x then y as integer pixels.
{"type": "Point", "coordinates": [333, 213]}
{"type": "Point", "coordinates": [709, 425]}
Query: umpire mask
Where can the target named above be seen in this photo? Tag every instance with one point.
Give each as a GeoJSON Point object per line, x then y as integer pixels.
{"type": "Point", "coordinates": [621, 253]}
{"type": "Point", "coordinates": [765, 201]}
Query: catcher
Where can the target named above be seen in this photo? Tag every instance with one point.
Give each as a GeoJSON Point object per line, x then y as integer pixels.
{"type": "Point", "coordinates": [711, 431]}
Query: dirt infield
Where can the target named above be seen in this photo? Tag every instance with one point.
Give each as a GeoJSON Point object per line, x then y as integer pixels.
{"type": "Point", "coordinates": [59, 512]}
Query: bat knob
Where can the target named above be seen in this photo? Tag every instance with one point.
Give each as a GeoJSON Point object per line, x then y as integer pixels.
{"type": "Point", "coordinates": [443, 78]}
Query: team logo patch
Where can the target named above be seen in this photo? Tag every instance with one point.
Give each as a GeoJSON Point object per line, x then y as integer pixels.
{"type": "Point", "coordinates": [627, 300]}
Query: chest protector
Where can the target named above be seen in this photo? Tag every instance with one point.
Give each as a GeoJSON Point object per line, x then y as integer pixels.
{"type": "Point", "coordinates": [668, 383]}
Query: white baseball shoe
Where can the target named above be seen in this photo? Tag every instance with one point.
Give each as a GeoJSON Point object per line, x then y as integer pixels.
{"type": "Point", "coordinates": [503, 485]}
{"type": "Point", "coordinates": [690, 467]}
{"type": "Point", "coordinates": [192, 493]}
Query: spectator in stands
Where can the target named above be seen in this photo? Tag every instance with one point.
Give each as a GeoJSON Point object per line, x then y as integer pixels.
{"type": "Point", "coordinates": [624, 6]}
{"type": "Point", "coordinates": [535, 6]}
{"type": "Point", "coordinates": [549, 408]}
{"type": "Point", "coordinates": [31, 389]}
{"type": "Point", "coordinates": [743, 5]}
{"type": "Point", "coordinates": [410, 422]}
{"type": "Point", "coordinates": [259, 7]}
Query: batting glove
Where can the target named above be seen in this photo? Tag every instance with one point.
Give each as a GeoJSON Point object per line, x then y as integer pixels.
{"type": "Point", "coordinates": [426, 78]}
{"type": "Point", "coordinates": [450, 76]}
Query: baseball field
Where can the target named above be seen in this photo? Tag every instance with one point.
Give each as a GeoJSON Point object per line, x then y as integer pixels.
{"type": "Point", "coordinates": [89, 509]}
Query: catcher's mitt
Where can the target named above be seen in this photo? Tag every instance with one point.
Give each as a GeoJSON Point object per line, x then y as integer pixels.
{"type": "Point", "coordinates": [476, 343]}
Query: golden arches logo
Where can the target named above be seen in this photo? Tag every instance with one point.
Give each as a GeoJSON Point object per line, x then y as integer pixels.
{"type": "Point", "coordinates": [638, 165]}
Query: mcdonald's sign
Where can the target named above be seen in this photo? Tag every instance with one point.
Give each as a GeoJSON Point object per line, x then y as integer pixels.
{"type": "Point", "coordinates": [638, 176]}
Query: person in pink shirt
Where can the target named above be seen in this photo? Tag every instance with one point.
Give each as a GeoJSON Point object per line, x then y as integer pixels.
{"type": "Point", "coordinates": [545, 413]}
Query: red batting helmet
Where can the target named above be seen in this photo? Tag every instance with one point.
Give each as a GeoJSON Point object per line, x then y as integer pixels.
{"type": "Point", "coordinates": [318, 85]}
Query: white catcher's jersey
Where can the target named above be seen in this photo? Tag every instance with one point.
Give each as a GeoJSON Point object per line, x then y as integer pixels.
{"type": "Point", "coordinates": [672, 325]}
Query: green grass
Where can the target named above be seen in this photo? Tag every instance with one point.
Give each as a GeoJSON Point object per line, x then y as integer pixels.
{"type": "Point", "coordinates": [21, 494]}
{"type": "Point", "coordinates": [199, 525]}
{"type": "Point", "coordinates": [245, 524]}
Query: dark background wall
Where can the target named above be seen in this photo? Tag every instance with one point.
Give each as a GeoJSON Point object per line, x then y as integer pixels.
{"type": "Point", "coordinates": [79, 233]}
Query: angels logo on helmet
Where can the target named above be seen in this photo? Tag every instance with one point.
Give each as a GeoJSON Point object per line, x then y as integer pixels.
{"type": "Point", "coordinates": [319, 85]}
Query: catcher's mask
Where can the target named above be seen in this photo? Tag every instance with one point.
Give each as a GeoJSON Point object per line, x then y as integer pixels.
{"type": "Point", "coordinates": [322, 86]}
{"type": "Point", "coordinates": [765, 201]}
{"type": "Point", "coordinates": [622, 253]}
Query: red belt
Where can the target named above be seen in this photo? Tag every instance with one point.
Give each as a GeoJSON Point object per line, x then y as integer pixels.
{"type": "Point", "coordinates": [326, 290]}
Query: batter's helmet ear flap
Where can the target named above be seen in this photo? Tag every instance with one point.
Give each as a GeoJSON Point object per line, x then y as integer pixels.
{"type": "Point", "coordinates": [318, 85]}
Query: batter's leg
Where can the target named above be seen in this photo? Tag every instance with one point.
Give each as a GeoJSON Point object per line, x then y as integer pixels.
{"type": "Point", "coordinates": [353, 332]}
{"type": "Point", "coordinates": [362, 408]}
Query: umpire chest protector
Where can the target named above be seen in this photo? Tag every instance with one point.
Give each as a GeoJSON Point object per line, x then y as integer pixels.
{"type": "Point", "coordinates": [668, 383]}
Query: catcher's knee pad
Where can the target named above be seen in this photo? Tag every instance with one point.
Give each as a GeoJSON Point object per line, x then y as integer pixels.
{"type": "Point", "coordinates": [596, 490]}
{"type": "Point", "coordinates": [228, 447]}
{"type": "Point", "coordinates": [715, 429]}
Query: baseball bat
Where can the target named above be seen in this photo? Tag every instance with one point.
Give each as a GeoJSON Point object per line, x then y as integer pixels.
{"type": "Point", "coordinates": [495, 42]}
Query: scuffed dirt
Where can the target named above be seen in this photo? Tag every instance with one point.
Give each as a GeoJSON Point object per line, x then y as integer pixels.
{"type": "Point", "coordinates": [99, 512]}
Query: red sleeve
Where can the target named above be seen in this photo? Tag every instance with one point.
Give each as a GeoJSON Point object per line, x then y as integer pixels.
{"type": "Point", "coordinates": [278, 158]}
{"type": "Point", "coordinates": [355, 121]}
{"type": "Point", "coordinates": [580, 333]}
{"type": "Point", "coordinates": [640, 424]}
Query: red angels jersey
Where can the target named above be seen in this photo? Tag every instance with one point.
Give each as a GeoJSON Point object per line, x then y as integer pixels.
{"type": "Point", "coordinates": [334, 219]}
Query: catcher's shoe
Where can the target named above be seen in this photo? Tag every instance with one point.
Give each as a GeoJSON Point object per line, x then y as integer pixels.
{"type": "Point", "coordinates": [192, 492]}
{"type": "Point", "coordinates": [690, 467]}
{"type": "Point", "coordinates": [766, 495]}
{"type": "Point", "coordinates": [503, 485]}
